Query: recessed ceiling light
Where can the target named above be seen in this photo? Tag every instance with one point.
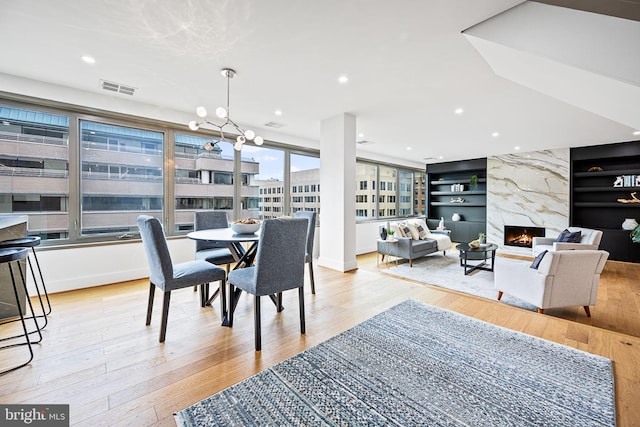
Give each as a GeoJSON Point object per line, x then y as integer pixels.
{"type": "Point", "coordinates": [441, 157]}
{"type": "Point", "coordinates": [277, 113]}
{"type": "Point", "coordinates": [408, 148]}
{"type": "Point", "coordinates": [516, 148]}
{"type": "Point", "coordinates": [495, 134]}
{"type": "Point", "coordinates": [459, 111]}
{"type": "Point", "coordinates": [88, 59]}
{"type": "Point", "coordinates": [361, 135]}
{"type": "Point", "coordinates": [343, 79]}
{"type": "Point", "coordinates": [636, 132]}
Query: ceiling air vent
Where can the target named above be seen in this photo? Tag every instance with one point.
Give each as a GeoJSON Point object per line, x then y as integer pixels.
{"type": "Point", "coordinates": [274, 125]}
{"type": "Point", "coordinates": [117, 87]}
{"type": "Point", "coordinates": [363, 142]}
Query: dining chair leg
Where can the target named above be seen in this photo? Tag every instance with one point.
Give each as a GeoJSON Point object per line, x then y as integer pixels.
{"type": "Point", "coordinates": [152, 291]}
{"type": "Point", "coordinates": [203, 298]}
{"type": "Point", "coordinates": [313, 283]}
{"type": "Point", "coordinates": [232, 305]}
{"type": "Point", "coordinates": [256, 320]}
{"type": "Point", "coordinates": [223, 299]}
{"type": "Point", "coordinates": [279, 306]}
{"type": "Point", "coordinates": [301, 300]}
{"type": "Point", "coordinates": [165, 315]}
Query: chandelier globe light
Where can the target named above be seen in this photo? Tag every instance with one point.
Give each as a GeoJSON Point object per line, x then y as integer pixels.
{"type": "Point", "coordinates": [223, 113]}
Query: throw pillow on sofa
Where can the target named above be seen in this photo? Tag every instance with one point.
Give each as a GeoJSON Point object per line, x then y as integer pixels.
{"type": "Point", "coordinates": [423, 233]}
{"type": "Point", "coordinates": [409, 231]}
{"type": "Point", "coordinates": [421, 227]}
{"type": "Point", "coordinates": [569, 237]}
{"type": "Point", "coordinates": [397, 229]}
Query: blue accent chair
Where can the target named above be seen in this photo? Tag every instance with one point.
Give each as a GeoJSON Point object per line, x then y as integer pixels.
{"type": "Point", "coordinates": [214, 252]}
{"type": "Point", "coordinates": [279, 267]}
{"type": "Point", "coordinates": [168, 276]}
{"type": "Point", "coordinates": [311, 230]}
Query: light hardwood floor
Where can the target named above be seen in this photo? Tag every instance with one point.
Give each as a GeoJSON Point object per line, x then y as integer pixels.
{"type": "Point", "coordinates": [98, 356]}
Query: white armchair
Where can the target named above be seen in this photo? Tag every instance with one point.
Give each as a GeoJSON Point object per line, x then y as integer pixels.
{"type": "Point", "coordinates": [589, 239]}
{"type": "Point", "coordinates": [563, 279]}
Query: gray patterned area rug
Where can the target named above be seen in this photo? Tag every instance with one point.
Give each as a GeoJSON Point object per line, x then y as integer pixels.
{"type": "Point", "coordinates": [446, 272]}
{"type": "Point", "coordinates": [415, 364]}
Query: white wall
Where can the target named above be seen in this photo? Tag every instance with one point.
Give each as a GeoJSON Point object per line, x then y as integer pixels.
{"type": "Point", "coordinates": [366, 236]}
{"type": "Point", "coordinates": [68, 268]}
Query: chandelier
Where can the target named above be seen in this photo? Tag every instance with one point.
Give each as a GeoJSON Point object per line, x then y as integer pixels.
{"type": "Point", "coordinates": [223, 113]}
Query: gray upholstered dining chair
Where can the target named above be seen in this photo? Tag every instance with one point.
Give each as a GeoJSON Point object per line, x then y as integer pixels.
{"type": "Point", "coordinates": [168, 276]}
{"type": "Point", "coordinates": [311, 230]}
{"type": "Point", "coordinates": [214, 252]}
{"type": "Point", "coordinates": [279, 267]}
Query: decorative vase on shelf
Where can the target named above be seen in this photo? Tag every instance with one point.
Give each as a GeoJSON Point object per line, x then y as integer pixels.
{"type": "Point", "coordinates": [441, 223]}
{"type": "Point", "coordinates": [455, 217]}
{"type": "Point", "coordinates": [629, 224]}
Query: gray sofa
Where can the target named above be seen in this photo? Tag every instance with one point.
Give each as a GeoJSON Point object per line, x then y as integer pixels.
{"type": "Point", "coordinates": [410, 249]}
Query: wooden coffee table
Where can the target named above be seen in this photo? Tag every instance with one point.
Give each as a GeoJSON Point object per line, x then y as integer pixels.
{"type": "Point", "coordinates": [483, 253]}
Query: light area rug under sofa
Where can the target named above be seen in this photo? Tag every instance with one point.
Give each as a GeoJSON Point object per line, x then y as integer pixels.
{"type": "Point", "coordinates": [419, 365]}
{"type": "Point", "coordinates": [445, 271]}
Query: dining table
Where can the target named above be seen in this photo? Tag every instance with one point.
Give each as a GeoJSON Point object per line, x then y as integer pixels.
{"type": "Point", "coordinates": [244, 256]}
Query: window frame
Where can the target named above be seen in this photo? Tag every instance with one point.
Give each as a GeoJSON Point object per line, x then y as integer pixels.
{"type": "Point", "coordinates": [76, 114]}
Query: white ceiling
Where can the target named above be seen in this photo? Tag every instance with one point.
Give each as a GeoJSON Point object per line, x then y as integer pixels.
{"type": "Point", "coordinates": [408, 64]}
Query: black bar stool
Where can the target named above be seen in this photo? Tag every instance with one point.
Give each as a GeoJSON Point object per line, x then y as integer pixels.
{"type": "Point", "coordinates": [32, 242]}
{"type": "Point", "coordinates": [7, 256]}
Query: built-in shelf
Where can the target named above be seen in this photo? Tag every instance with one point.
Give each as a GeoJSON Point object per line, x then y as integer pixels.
{"type": "Point", "coordinates": [605, 189]}
{"type": "Point", "coordinates": [456, 193]}
{"type": "Point", "coordinates": [594, 199]}
{"type": "Point", "coordinates": [615, 172]}
{"type": "Point", "coordinates": [441, 176]}
{"type": "Point", "coordinates": [456, 181]}
{"type": "Point", "coordinates": [458, 204]}
{"type": "Point", "coordinates": [606, 205]}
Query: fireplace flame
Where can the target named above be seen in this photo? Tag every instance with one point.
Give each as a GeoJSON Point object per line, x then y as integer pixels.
{"type": "Point", "coordinates": [523, 239]}
{"type": "Point", "coordinates": [515, 235]}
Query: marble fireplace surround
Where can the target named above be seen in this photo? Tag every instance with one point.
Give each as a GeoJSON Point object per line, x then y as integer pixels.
{"type": "Point", "coordinates": [527, 189]}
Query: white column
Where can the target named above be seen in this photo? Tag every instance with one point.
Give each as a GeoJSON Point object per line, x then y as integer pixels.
{"type": "Point", "coordinates": [337, 193]}
{"type": "Point", "coordinates": [205, 176]}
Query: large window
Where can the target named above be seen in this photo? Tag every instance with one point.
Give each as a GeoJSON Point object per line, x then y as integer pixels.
{"type": "Point", "coordinates": [34, 169]}
{"type": "Point", "coordinates": [405, 193]}
{"type": "Point", "coordinates": [305, 174]}
{"type": "Point", "coordinates": [204, 177]}
{"type": "Point", "coordinates": [394, 195]}
{"type": "Point", "coordinates": [83, 178]}
{"type": "Point", "coordinates": [270, 178]}
{"type": "Point", "coordinates": [121, 177]}
{"type": "Point", "coordinates": [419, 193]}
{"type": "Point", "coordinates": [387, 177]}
{"type": "Point", "coordinates": [365, 197]}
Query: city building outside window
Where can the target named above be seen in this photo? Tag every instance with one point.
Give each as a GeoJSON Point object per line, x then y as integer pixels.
{"type": "Point", "coordinates": [122, 174]}
{"type": "Point", "coordinates": [34, 169]}
{"type": "Point", "coordinates": [122, 177]}
{"type": "Point", "coordinates": [270, 176]}
{"type": "Point", "coordinates": [305, 174]}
